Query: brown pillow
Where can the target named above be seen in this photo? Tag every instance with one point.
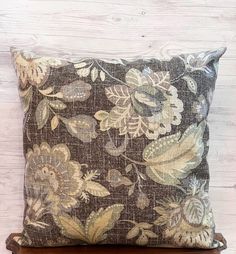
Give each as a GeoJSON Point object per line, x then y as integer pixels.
{"type": "Point", "coordinates": [116, 150]}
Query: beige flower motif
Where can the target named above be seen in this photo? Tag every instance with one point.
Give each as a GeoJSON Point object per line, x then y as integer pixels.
{"type": "Point", "coordinates": [188, 220]}
{"type": "Point", "coordinates": [142, 201]}
{"type": "Point", "coordinates": [51, 170]}
{"type": "Point", "coordinates": [147, 104]}
{"type": "Point", "coordinates": [33, 69]}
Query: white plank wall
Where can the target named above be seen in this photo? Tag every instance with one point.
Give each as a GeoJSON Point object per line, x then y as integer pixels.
{"type": "Point", "coordinates": [120, 28]}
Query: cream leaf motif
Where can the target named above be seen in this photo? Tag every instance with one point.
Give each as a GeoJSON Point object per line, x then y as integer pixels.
{"type": "Point", "coordinates": [96, 226]}
{"type": "Point", "coordinates": [172, 158]}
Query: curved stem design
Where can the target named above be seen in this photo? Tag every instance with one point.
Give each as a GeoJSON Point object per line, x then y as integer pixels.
{"type": "Point", "coordinates": [133, 222]}
{"type": "Point", "coordinates": [134, 161]}
{"type": "Point", "coordinates": [120, 81]}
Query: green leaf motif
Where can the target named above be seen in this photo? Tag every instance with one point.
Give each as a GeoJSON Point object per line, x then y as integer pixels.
{"type": "Point", "coordinates": [96, 226]}
{"type": "Point", "coordinates": [135, 78]}
{"type": "Point", "coordinates": [46, 91]}
{"type": "Point", "coordinates": [94, 74]}
{"type": "Point", "coordinates": [57, 104]}
{"type": "Point", "coordinates": [150, 234]}
{"type": "Point", "coordinates": [118, 95]}
{"type": "Point", "coordinates": [81, 127]}
{"type": "Point", "coordinates": [133, 232]}
{"type": "Point", "coordinates": [77, 90]}
{"type": "Point", "coordinates": [131, 189]}
{"type": "Point", "coordinates": [84, 72]}
{"type": "Point", "coordinates": [137, 126]}
{"type": "Point", "coordinates": [159, 79]}
{"type": "Point", "coordinates": [71, 227]}
{"type": "Point", "coordinates": [193, 211]}
{"type": "Point", "coordinates": [172, 158]}
{"type": "Point", "coordinates": [102, 75]}
{"type": "Point", "coordinates": [80, 65]}
{"type": "Point", "coordinates": [102, 116]}
{"type": "Point", "coordinates": [96, 189]}
{"type": "Point", "coordinates": [54, 122]}
{"type": "Point", "coordinates": [42, 113]}
{"type": "Point", "coordinates": [118, 118]}
{"type": "Point", "coordinates": [128, 168]}
{"type": "Point", "coordinates": [102, 221]}
{"type": "Point", "coordinates": [191, 83]}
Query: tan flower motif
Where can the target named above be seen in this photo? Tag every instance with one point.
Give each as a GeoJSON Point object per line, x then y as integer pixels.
{"type": "Point", "coordinates": [188, 220]}
{"type": "Point", "coordinates": [142, 201]}
{"type": "Point", "coordinates": [51, 170]}
{"type": "Point", "coordinates": [116, 179]}
{"type": "Point", "coordinates": [32, 69]}
{"type": "Point", "coordinates": [147, 104]}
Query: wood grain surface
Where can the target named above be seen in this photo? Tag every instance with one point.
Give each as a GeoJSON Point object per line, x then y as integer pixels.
{"type": "Point", "coordinates": [120, 28]}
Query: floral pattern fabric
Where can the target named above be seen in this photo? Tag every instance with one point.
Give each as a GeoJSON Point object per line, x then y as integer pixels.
{"type": "Point", "coordinates": [146, 104]}
{"type": "Point", "coordinates": [116, 150]}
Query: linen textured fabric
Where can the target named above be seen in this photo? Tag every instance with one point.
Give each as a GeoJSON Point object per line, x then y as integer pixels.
{"type": "Point", "coordinates": [116, 150]}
